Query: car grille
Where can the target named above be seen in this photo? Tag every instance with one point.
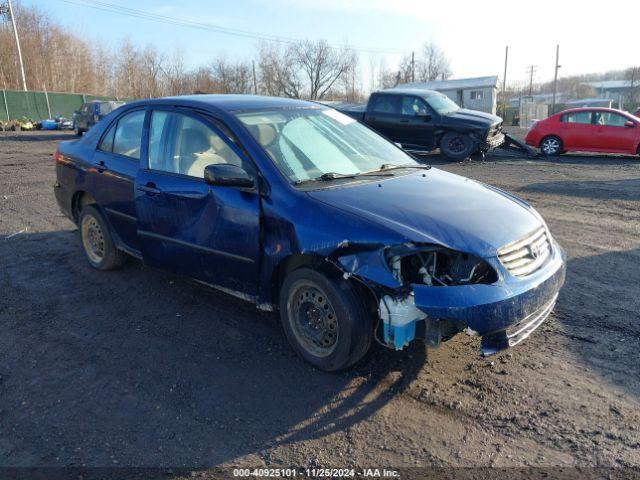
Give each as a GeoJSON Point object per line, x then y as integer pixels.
{"type": "Point", "coordinates": [526, 255]}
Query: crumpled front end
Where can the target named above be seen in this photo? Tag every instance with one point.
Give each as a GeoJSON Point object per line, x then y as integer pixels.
{"type": "Point", "coordinates": [432, 292]}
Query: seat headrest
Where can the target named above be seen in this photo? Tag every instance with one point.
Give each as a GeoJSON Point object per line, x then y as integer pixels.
{"type": "Point", "coordinates": [194, 140]}
{"type": "Point", "coordinates": [265, 134]}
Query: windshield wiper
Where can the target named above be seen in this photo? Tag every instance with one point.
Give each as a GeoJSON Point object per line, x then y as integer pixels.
{"type": "Point", "coordinates": [393, 166]}
{"type": "Point", "coordinates": [325, 177]}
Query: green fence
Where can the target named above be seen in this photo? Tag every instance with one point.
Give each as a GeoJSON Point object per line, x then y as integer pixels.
{"type": "Point", "coordinates": [16, 104]}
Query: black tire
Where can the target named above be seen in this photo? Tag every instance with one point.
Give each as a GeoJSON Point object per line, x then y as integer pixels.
{"type": "Point", "coordinates": [551, 146]}
{"type": "Point", "coordinates": [326, 322]}
{"type": "Point", "coordinates": [78, 132]}
{"type": "Point", "coordinates": [96, 240]}
{"type": "Point", "coordinates": [456, 146]}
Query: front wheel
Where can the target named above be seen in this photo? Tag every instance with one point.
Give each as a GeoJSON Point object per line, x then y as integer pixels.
{"type": "Point", "coordinates": [456, 146]}
{"type": "Point", "coordinates": [550, 146]}
{"type": "Point", "coordinates": [97, 242]}
{"type": "Point", "coordinates": [324, 319]}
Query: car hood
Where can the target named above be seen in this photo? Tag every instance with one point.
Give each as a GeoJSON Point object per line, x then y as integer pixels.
{"type": "Point", "coordinates": [472, 117]}
{"type": "Point", "coordinates": [438, 207]}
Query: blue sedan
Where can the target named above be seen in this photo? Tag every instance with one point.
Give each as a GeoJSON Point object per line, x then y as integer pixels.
{"type": "Point", "coordinates": [300, 209]}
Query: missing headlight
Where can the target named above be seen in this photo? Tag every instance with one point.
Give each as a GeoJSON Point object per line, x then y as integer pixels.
{"type": "Point", "coordinates": [440, 267]}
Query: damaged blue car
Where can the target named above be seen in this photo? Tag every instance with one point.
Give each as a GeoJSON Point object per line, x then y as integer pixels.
{"type": "Point", "coordinates": [301, 209]}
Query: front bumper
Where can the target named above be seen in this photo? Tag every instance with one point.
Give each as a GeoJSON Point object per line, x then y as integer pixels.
{"type": "Point", "coordinates": [494, 142]}
{"type": "Point", "coordinates": [504, 313]}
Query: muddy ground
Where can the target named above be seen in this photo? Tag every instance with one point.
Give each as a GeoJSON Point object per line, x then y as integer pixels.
{"type": "Point", "coordinates": [139, 367]}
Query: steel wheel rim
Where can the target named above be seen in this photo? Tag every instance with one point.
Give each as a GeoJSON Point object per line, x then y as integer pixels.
{"type": "Point", "coordinates": [92, 239]}
{"type": "Point", "coordinates": [550, 146]}
{"type": "Point", "coordinates": [456, 145]}
{"type": "Point", "coordinates": [313, 319]}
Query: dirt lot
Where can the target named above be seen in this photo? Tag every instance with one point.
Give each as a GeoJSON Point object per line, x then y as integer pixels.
{"type": "Point", "coordinates": [138, 367]}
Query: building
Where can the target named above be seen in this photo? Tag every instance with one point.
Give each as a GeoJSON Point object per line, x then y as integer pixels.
{"type": "Point", "coordinates": [616, 90]}
{"type": "Point", "coordinates": [590, 102]}
{"type": "Point", "coordinates": [479, 93]}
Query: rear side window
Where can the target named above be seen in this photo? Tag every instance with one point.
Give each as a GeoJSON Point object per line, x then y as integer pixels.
{"type": "Point", "coordinates": [128, 136]}
{"type": "Point", "coordinates": [386, 104]}
{"type": "Point", "coordinates": [576, 117]}
{"type": "Point", "coordinates": [106, 144]}
{"type": "Point", "coordinates": [182, 144]}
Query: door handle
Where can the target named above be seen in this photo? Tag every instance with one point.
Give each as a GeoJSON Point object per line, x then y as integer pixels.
{"type": "Point", "coordinates": [404, 121]}
{"type": "Point", "coordinates": [149, 189]}
{"type": "Point", "coordinates": [101, 166]}
{"type": "Point", "coordinates": [372, 118]}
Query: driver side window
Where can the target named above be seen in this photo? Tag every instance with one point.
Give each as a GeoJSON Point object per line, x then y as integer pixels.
{"type": "Point", "coordinates": [412, 106]}
{"type": "Point", "coordinates": [182, 144]}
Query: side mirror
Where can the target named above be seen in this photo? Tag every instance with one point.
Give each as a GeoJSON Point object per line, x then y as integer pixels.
{"type": "Point", "coordinates": [227, 175]}
{"type": "Point", "coordinates": [629, 124]}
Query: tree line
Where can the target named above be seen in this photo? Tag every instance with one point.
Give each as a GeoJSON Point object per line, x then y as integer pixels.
{"type": "Point", "coordinates": [58, 60]}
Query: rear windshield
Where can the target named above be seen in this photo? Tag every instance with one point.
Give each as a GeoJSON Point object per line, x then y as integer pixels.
{"type": "Point", "coordinates": [105, 108]}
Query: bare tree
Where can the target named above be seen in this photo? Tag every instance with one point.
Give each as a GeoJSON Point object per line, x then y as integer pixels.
{"type": "Point", "coordinates": [231, 77]}
{"type": "Point", "coordinates": [433, 64]}
{"type": "Point", "coordinates": [321, 65]}
{"type": "Point", "coordinates": [279, 74]}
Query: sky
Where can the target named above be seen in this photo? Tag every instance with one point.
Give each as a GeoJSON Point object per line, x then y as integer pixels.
{"type": "Point", "coordinates": [593, 35]}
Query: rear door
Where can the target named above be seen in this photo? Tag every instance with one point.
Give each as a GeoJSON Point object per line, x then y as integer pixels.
{"type": "Point", "coordinates": [416, 124]}
{"type": "Point", "coordinates": [185, 225]}
{"type": "Point", "coordinates": [116, 162]}
{"type": "Point", "coordinates": [611, 133]}
{"type": "Point", "coordinates": [577, 130]}
{"type": "Point", "coordinates": [384, 114]}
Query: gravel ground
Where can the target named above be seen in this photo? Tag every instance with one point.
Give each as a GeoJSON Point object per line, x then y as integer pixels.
{"type": "Point", "coordinates": [139, 367]}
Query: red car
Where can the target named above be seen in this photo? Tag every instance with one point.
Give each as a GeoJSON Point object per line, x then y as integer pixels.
{"type": "Point", "coordinates": [587, 129]}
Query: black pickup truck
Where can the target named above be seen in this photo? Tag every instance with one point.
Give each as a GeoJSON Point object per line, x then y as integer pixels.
{"type": "Point", "coordinates": [423, 120]}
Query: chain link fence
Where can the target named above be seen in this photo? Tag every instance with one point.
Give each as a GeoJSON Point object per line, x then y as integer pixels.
{"type": "Point", "coordinates": [36, 106]}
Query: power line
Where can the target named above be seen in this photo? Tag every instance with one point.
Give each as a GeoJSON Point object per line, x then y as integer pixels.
{"type": "Point", "coordinates": [142, 14]}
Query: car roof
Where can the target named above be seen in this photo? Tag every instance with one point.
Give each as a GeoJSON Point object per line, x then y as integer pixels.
{"type": "Point", "coordinates": [232, 103]}
{"type": "Point", "coordinates": [419, 92]}
{"type": "Point", "coordinates": [591, 109]}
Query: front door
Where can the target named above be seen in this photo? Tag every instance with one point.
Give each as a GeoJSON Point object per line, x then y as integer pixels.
{"type": "Point", "coordinates": [417, 124]}
{"type": "Point", "coordinates": [612, 135]}
{"type": "Point", "coordinates": [185, 225]}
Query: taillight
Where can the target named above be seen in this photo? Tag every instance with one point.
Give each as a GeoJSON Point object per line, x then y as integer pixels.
{"type": "Point", "coordinates": [56, 156]}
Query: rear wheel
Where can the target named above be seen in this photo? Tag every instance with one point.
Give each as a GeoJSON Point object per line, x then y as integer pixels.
{"type": "Point", "coordinates": [456, 146]}
{"type": "Point", "coordinates": [97, 242]}
{"type": "Point", "coordinates": [551, 145]}
{"type": "Point", "coordinates": [324, 319]}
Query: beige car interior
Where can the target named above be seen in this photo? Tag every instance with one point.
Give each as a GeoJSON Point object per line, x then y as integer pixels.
{"type": "Point", "coordinates": [200, 147]}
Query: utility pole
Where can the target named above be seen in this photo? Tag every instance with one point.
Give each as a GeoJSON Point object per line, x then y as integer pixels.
{"type": "Point", "coordinates": [504, 83]}
{"type": "Point", "coordinates": [255, 80]}
{"type": "Point", "coordinates": [631, 96]}
{"type": "Point", "coordinates": [413, 67]}
{"type": "Point", "coordinates": [531, 69]}
{"type": "Point", "coordinates": [555, 80]}
{"type": "Point", "coordinates": [8, 8]}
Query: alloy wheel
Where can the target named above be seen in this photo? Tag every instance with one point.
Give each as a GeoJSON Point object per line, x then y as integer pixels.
{"type": "Point", "coordinates": [550, 146]}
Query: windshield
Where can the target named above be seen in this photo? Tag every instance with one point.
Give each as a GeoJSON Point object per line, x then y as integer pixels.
{"type": "Point", "coordinates": [442, 104]}
{"type": "Point", "coordinates": [307, 143]}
